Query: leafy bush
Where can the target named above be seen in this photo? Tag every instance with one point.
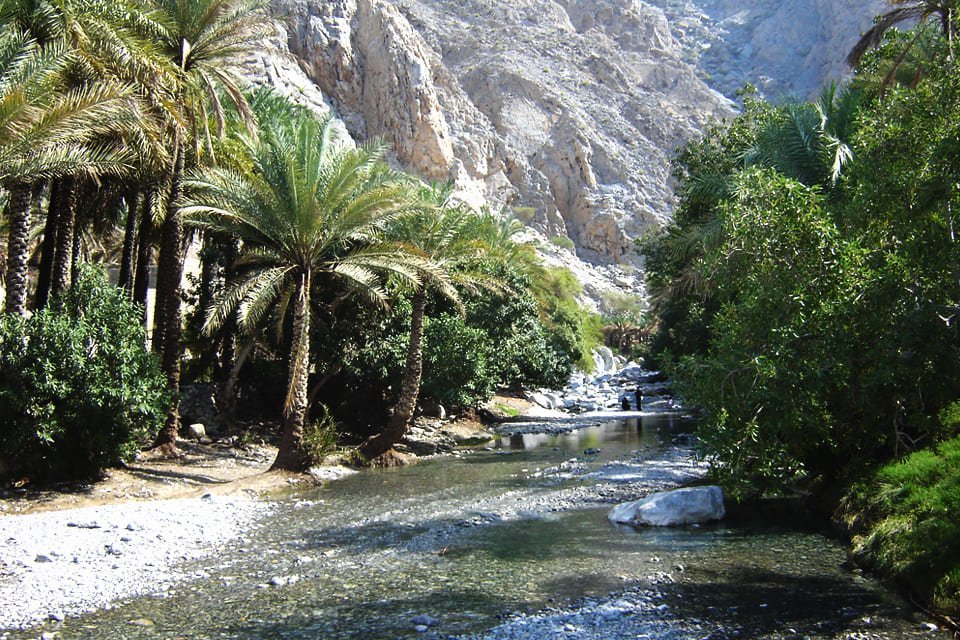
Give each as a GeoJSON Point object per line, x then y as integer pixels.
{"type": "Point", "coordinates": [78, 389]}
{"type": "Point", "coordinates": [455, 362]}
{"type": "Point", "coordinates": [563, 242]}
{"type": "Point", "coordinates": [320, 436]}
{"type": "Point", "coordinates": [905, 524]}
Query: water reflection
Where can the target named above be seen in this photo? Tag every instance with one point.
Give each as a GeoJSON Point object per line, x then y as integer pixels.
{"type": "Point", "coordinates": [653, 431]}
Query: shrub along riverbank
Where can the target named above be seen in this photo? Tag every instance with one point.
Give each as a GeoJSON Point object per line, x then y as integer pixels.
{"type": "Point", "coordinates": [808, 299]}
{"type": "Point", "coordinates": [903, 524]}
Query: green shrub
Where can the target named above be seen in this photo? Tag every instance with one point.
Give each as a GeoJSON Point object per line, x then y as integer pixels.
{"type": "Point", "coordinates": [455, 370]}
{"type": "Point", "coordinates": [563, 242]}
{"type": "Point", "coordinates": [320, 437]}
{"type": "Point", "coordinates": [906, 523]}
{"type": "Point", "coordinates": [78, 389]}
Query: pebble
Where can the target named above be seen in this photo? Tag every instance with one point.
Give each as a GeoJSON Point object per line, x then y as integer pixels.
{"type": "Point", "coordinates": [141, 622]}
{"type": "Point", "coordinates": [92, 574]}
{"type": "Point", "coordinates": [426, 620]}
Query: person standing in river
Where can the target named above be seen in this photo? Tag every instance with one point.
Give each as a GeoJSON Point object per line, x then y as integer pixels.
{"type": "Point", "coordinates": [639, 399]}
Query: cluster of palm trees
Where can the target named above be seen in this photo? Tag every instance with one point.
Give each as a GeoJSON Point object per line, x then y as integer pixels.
{"type": "Point", "coordinates": [105, 103]}
{"type": "Point", "coordinates": [132, 115]}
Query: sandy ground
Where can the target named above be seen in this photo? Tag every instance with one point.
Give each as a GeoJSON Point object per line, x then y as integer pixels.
{"type": "Point", "coordinates": [215, 468]}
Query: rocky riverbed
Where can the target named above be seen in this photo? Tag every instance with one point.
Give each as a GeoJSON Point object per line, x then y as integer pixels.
{"type": "Point", "coordinates": [62, 563]}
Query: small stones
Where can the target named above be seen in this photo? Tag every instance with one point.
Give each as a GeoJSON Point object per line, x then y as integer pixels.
{"type": "Point", "coordinates": [425, 620]}
{"type": "Point", "coordinates": [41, 558]}
{"type": "Point", "coordinates": [283, 581]}
{"type": "Point", "coordinates": [56, 616]}
{"type": "Point", "coordinates": [142, 622]}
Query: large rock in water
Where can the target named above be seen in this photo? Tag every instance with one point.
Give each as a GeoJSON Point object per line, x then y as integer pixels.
{"type": "Point", "coordinates": [692, 505]}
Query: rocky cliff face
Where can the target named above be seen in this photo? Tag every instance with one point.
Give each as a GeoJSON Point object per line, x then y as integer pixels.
{"type": "Point", "coordinates": [565, 110]}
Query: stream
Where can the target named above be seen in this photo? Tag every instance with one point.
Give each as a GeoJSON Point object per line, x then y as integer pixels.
{"type": "Point", "coordinates": [512, 541]}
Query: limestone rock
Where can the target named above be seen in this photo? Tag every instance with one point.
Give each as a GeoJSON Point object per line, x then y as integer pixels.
{"type": "Point", "coordinates": [567, 111]}
{"type": "Point", "coordinates": [195, 431]}
{"type": "Point", "coordinates": [691, 505]}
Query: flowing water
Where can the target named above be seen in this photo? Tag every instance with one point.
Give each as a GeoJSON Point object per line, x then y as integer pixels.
{"type": "Point", "coordinates": [493, 535]}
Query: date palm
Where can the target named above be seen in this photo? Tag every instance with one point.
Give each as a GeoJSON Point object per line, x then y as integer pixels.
{"type": "Point", "coordinates": [448, 235]}
{"type": "Point", "coordinates": [205, 41]}
{"type": "Point", "coordinates": [942, 12]}
{"type": "Point", "coordinates": [309, 211]}
{"type": "Point", "coordinates": [48, 130]}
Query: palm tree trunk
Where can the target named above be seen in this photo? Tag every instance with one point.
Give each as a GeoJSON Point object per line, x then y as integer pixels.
{"type": "Point", "coordinates": [291, 456]}
{"type": "Point", "coordinates": [167, 323]}
{"type": "Point", "coordinates": [67, 218]}
{"type": "Point", "coordinates": [49, 247]}
{"type": "Point", "coordinates": [19, 208]}
{"type": "Point", "coordinates": [141, 280]}
{"type": "Point", "coordinates": [409, 388]}
{"type": "Point", "coordinates": [75, 252]}
{"type": "Point", "coordinates": [124, 277]}
{"type": "Point", "coordinates": [228, 350]}
{"type": "Point", "coordinates": [227, 394]}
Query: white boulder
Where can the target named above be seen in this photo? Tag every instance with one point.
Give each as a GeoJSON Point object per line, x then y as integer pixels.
{"type": "Point", "coordinates": [543, 400]}
{"type": "Point", "coordinates": [195, 431]}
{"type": "Point", "coordinates": [691, 505]}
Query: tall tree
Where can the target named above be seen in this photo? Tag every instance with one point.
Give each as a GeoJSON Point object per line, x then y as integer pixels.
{"type": "Point", "coordinates": [943, 12]}
{"type": "Point", "coordinates": [47, 130]}
{"type": "Point", "coordinates": [308, 209]}
{"type": "Point", "coordinates": [206, 41]}
{"type": "Point", "coordinates": [445, 232]}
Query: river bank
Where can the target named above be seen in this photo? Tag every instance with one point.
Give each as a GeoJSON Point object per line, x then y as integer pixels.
{"type": "Point", "coordinates": [505, 541]}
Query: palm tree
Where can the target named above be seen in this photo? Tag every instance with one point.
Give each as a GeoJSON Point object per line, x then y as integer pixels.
{"type": "Point", "coordinates": [206, 41]}
{"type": "Point", "coordinates": [47, 130]}
{"type": "Point", "coordinates": [309, 211]}
{"type": "Point", "coordinates": [943, 12]}
{"type": "Point", "coordinates": [809, 142]}
{"type": "Point", "coordinates": [446, 233]}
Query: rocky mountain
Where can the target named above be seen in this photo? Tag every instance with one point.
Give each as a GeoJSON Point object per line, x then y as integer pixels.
{"type": "Point", "coordinates": [567, 111]}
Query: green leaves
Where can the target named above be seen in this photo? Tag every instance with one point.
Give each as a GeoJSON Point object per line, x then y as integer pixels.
{"type": "Point", "coordinates": [814, 319]}
{"type": "Point", "coordinates": [78, 389]}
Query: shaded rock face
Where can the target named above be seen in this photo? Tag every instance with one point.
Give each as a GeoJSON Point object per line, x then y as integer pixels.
{"type": "Point", "coordinates": [782, 48]}
{"type": "Point", "coordinates": [566, 110]}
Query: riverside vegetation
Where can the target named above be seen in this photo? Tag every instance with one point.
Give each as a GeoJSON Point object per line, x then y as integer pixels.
{"type": "Point", "coordinates": [807, 294]}
{"type": "Point", "coordinates": [127, 132]}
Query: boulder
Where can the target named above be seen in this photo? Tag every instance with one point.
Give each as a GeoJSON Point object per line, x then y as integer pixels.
{"type": "Point", "coordinates": [691, 505]}
{"type": "Point", "coordinates": [609, 364]}
{"type": "Point", "coordinates": [195, 431]}
{"type": "Point", "coordinates": [543, 400]}
{"type": "Point", "coordinates": [433, 409]}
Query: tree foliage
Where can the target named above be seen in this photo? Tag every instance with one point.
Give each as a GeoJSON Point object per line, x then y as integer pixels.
{"type": "Point", "coordinates": [812, 313]}
{"type": "Point", "coordinates": [78, 389]}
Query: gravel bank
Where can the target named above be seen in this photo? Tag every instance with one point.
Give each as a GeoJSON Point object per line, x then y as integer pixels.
{"type": "Point", "coordinates": [60, 563]}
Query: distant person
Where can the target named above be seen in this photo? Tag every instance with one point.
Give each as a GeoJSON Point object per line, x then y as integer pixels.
{"type": "Point", "coordinates": [639, 399]}
{"type": "Point", "coordinates": [625, 403]}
